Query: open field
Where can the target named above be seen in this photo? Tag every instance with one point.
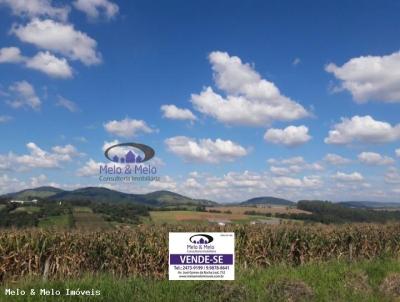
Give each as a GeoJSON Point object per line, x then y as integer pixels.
{"type": "Point", "coordinates": [85, 219]}
{"type": "Point", "coordinates": [2, 206]}
{"type": "Point", "coordinates": [366, 281]}
{"type": "Point", "coordinates": [159, 217]}
{"type": "Point", "coordinates": [57, 222]}
{"type": "Point", "coordinates": [273, 209]}
{"type": "Point", "coordinates": [28, 209]}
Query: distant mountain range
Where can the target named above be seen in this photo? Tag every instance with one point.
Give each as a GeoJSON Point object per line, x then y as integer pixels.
{"type": "Point", "coordinates": [370, 204]}
{"type": "Point", "coordinates": [161, 198]}
{"type": "Point", "coordinates": [268, 200]}
{"type": "Point", "coordinates": [99, 194]}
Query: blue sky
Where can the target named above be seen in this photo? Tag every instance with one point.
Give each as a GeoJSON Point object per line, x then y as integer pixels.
{"type": "Point", "coordinates": [239, 99]}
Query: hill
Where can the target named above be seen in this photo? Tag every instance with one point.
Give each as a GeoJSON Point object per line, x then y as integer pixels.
{"type": "Point", "coordinates": [268, 200]}
{"type": "Point", "coordinates": [40, 192]}
{"type": "Point", "coordinates": [370, 204]}
{"type": "Point", "coordinates": [104, 195]}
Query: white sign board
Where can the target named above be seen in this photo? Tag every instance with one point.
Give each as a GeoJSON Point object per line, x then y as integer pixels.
{"type": "Point", "coordinates": [201, 256]}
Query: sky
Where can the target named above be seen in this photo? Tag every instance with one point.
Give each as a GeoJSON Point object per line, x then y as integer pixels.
{"type": "Point", "coordinates": [239, 99]}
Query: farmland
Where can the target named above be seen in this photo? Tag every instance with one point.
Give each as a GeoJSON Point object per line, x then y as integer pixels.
{"type": "Point", "coordinates": [265, 209]}
{"type": "Point", "coordinates": [204, 218]}
{"type": "Point", "coordinates": [143, 250]}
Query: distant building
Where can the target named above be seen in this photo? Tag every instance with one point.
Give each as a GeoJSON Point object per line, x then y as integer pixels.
{"type": "Point", "coordinates": [24, 201]}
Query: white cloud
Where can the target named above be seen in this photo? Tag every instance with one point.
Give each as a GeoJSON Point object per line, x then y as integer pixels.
{"type": "Point", "coordinates": [348, 177]}
{"type": "Point", "coordinates": [38, 158]}
{"type": "Point", "coordinates": [292, 165]}
{"type": "Point", "coordinates": [335, 159]}
{"type": "Point", "coordinates": [45, 62]}
{"type": "Point", "coordinates": [90, 168]}
{"type": "Point", "coordinates": [95, 8]}
{"type": "Point", "coordinates": [5, 118]}
{"type": "Point", "coordinates": [127, 127]}
{"type": "Point", "coordinates": [250, 99]}
{"type": "Point", "coordinates": [61, 38]}
{"type": "Point", "coordinates": [67, 104]}
{"type": "Point", "coordinates": [291, 136]}
{"type": "Point", "coordinates": [284, 181]}
{"type": "Point", "coordinates": [11, 55]}
{"type": "Point", "coordinates": [296, 160]}
{"type": "Point", "coordinates": [175, 113]}
{"type": "Point", "coordinates": [398, 152]}
{"type": "Point", "coordinates": [205, 150]}
{"type": "Point", "coordinates": [392, 176]}
{"type": "Point", "coordinates": [36, 8]}
{"type": "Point", "coordinates": [24, 95]}
{"type": "Point", "coordinates": [370, 77]}
{"type": "Point", "coordinates": [372, 158]}
{"type": "Point", "coordinates": [362, 129]}
{"type": "Point", "coordinates": [50, 64]}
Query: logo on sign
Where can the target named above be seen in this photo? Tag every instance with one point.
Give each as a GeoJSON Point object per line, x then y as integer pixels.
{"type": "Point", "coordinates": [201, 239]}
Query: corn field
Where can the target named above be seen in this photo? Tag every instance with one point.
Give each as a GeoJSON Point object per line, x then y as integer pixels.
{"type": "Point", "coordinates": [143, 251]}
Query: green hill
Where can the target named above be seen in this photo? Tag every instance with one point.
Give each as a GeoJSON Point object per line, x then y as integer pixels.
{"type": "Point", "coordinates": [100, 194]}
{"type": "Point", "coordinates": [40, 192]}
{"type": "Point", "coordinates": [268, 200]}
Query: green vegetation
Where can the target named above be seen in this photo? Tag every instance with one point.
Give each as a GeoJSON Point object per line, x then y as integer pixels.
{"type": "Point", "coordinates": [56, 222]}
{"type": "Point", "coordinates": [366, 281]}
{"type": "Point", "coordinates": [27, 209]}
{"type": "Point", "coordinates": [268, 200]}
{"type": "Point", "coordinates": [328, 212]}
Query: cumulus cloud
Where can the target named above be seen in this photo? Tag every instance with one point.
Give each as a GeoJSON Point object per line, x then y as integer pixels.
{"type": "Point", "coordinates": [61, 38]}
{"type": "Point", "coordinates": [24, 95]}
{"type": "Point", "coordinates": [290, 136]}
{"type": "Point", "coordinates": [67, 104]}
{"type": "Point", "coordinates": [398, 152]}
{"type": "Point", "coordinates": [36, 8]}
{"type": "Point", "coordinates": [348, 177]}
{"type": "Point", "coordinates": [392, 176]}
{"type": "Point", "coordinates": [96, 8]}
{"type": "Point", "coordinates": [38, 157]}
{"type": "Point", "coordinates": [292, 165]}
{"type": "Point", "coordinates": [43, 61]}
{"type": "Point", "coordinates": [362, 129]}
{"type": "Point", "coordinates": [49, 64]}
{"type": "Point", "coordinates": [205, 150]}
{"type": "Point", "coordinates": [335, 159]}
{"type": "Point", "coordinates": [127, 127]}
{"type": "Point", "coordinates": [372, 158]}
{"type": "Point", "coordinates": [90, 168]}
{"type": "Point", "coordinates": [175, 113]}
{"type": "Point", "coordinates": [11, 55]}
{"type": "Point", "coordinates": [284, 181]}
{"type": "Point", "coordinates": [250, 99]}
{"type": "Point", "coordinates": [370, 77]}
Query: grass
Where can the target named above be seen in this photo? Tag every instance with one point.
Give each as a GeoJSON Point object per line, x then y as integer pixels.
{"type": "Point", "coordinates": [28, 209]}
{"type": "Point", "coordinates": [332, 281]}
{"type": "Point", "coordinates": [58, 222]}
{"type": "Point", "coordinates": [2, 206]}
